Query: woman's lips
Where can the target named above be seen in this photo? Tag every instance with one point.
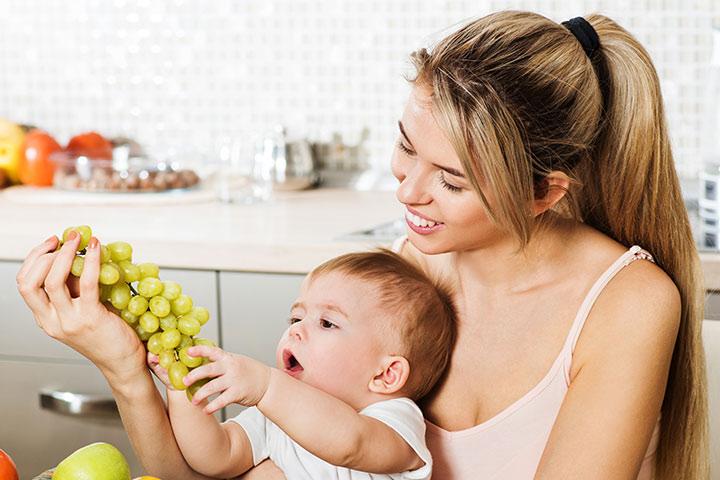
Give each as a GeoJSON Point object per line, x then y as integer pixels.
{"type": "Point", "coordinates": [421, 224]}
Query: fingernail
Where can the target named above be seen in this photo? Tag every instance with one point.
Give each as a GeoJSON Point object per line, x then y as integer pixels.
{"type": "Point", "coordinates": [93, 243]}
{"type": "Point", "coordinates": [72, 235]}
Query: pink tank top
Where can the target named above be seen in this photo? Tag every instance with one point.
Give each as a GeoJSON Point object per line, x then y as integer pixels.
{"type": "Point", "coordinates": [509, 445]}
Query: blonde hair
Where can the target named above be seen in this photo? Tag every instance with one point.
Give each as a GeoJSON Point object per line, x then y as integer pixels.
{"type": "Point", "coordinates": [518, 98]}
{"type": "Point", "coordinates": [422, 311]}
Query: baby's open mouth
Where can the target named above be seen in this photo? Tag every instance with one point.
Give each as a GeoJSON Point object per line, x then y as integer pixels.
{"type": "Point", "coordinates": [290, 363]}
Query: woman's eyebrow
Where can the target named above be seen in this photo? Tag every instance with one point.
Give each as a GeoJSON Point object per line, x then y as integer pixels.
{"type": "Point", "coordinates": [451, 171]}
{"type": "Point", "coordinates": [402, 131]}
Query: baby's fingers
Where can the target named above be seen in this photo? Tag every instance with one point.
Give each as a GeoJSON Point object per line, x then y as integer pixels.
{"type": "Point", "coordinates": [210, 388]}
{"type": "Point", "coordinates": [223, 400]}
{"type": "Point", "coordinates": [211, 370]}
{"type": "Point", "coordinates": [212, 353]}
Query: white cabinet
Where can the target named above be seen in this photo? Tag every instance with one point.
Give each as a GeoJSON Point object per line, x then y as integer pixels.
{"type": "Point", "coordinates": [254, 309]}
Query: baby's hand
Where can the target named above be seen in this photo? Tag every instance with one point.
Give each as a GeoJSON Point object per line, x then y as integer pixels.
{"type": "Point", "coordinates": [238, 379]}
{"type": "Point", "coordinates": [161, 373]}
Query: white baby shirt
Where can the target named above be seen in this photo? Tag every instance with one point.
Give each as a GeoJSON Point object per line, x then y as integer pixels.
{"type": "Point", "coordinates": [269, 441]}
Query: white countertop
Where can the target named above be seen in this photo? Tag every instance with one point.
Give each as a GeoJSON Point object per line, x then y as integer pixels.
{"type": "Point", "coordinates": [294, 233]}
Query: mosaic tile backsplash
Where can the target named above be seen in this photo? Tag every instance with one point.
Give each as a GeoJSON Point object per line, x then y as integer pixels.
{"type": "Point", "coordinates": [176, 75]}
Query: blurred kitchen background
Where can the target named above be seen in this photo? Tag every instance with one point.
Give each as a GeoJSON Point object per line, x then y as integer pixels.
{"type": "Point", "coordinates": [282, 114]}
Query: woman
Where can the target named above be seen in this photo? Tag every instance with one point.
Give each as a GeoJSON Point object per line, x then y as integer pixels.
{"type": "Point", "coordinates": [532, 155]}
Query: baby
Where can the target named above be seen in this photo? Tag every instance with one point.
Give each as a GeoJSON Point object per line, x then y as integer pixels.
{"type": "Point", "coordinates": [369, 335]}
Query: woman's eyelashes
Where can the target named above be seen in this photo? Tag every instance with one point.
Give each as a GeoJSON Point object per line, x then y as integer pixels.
{"type": "Point", "coordinates": [447, 185]}
{"type": "Point", "coordinates": [408, 151]}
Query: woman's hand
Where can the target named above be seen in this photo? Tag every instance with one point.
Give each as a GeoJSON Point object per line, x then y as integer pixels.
{"type": "Point", "coordinates": [79, 321]}
{"type": "Point", "coordinates": [238, 379]}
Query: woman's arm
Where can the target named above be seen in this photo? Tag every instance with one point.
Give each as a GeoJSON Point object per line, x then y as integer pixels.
{"type": "Point", "coordinates": [211, 448]}
{"type": "Point", "coordinates": [85, 325]}
{"type": "Point", "coordinates": [620, 370]}
{"type": "Point", "coordinates": [267, 470]}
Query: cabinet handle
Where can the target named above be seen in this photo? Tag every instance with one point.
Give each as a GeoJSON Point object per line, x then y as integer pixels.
{"type": "Point", "coordinates": [78, 404]}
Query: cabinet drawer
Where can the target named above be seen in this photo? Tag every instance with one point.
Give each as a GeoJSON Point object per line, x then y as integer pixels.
{"type": "Point", "coordinates": [255, 308]}
{"type": "Point", "coordinates": [22, 337]}
{"type": "Point", "coordinates": [38, 438]}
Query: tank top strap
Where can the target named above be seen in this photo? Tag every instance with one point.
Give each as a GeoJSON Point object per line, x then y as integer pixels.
{"type": "Point", "coordinates": [398, 244]}
{"type": "Point", "coordinates": [634, 253]}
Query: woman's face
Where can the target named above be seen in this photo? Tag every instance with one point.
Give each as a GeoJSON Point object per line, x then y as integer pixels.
{"type": "Point", "coordinates": [443, 212]}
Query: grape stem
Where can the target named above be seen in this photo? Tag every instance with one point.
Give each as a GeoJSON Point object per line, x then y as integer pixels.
{"type": "Point", "coordinates": [132, 289]}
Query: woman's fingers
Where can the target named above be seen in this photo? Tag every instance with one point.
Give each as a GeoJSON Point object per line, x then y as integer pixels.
{"type": "Point", "coordinates": [30, 286]}
{"type": "Point", "coordinates": [48, 245]}
{"type": "Point", "coordinates": [89, 289]}
{"type": "Point", "coordinates": [55, 281]}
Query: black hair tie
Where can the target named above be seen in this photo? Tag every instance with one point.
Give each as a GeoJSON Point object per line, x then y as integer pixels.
{"type": "Point", "coordinates": [585, 33]}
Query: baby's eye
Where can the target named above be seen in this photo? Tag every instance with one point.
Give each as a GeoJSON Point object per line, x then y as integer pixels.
{"type": "Point", "coordinates": [327, 324]}
{"type": "Point", "coordinates": [292, 320]}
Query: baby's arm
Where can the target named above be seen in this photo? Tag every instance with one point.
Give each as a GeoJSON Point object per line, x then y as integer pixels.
{"type": "Point", "coordinates": [332, 430]}
{"type": "Point", "coordinates": [208, 447]}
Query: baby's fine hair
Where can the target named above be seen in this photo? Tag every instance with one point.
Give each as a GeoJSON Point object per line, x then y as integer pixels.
{"type": "Point", "coordinates": [423, 311]}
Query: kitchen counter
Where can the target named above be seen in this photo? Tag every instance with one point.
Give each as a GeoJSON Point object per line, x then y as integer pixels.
{"type": "Point", "coordinates": [292, 234]}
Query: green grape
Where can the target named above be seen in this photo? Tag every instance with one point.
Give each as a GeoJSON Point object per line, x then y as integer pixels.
{"type": "Point", "coordinates": [130, 271]}
{"type": "Point", "coordinates": [109, 274]}
{"type": "Point", "coordinates": [77, 265]}
{"type": "Point", "coordinates": [166, 358]}
{"type": "Point", "coordinates": [104, 254]}
{"type": "Point", "coordinates": [191, 362]}
{"type": "Point", "coordinates": [204, 341]}
{"type": "Point", "coordinates": [120, 251]}
{"type": "Point", "coordinates": [160, 306]}
{"type": "Point", "coordinates": [171, 290]}
{"type": "Point", "coordinates": [167, 322]}
{"type": "Point", "coordinates": [201, 314]}
{"type": "Point", "coordinates": [185, 341]}
{"type": "Point", "coordinates": [192, 389]}
{"type": "Point", "coordinates": [149, 287]}
{"type": "Point", "coordinates": [176, 372]}
{"type": "Point", "coordinates": [149, 322]}
{"type": "Point", "coordinates": [144, 335]}
{"type": "Point", "coordinates": [120, 295]}
{"type": "Point", "coordinates": [171, 338]}
{"type": "Point", "coordinates": [189, 326]}
{"type": "Point", "coordinates": [105, 291]}
{"type": "Point", "coordinates": [149, 270]}
{"type": "Point", "coordinates": [138, 305]}
{"type": "Point", "coordinates": [154, 345]}
{"type": "Point", "coordinates": [129, 318]}
{"type": "Point", "coordinates": [182, 305]}
{"type": "Point", "coordinates": [85, 233]}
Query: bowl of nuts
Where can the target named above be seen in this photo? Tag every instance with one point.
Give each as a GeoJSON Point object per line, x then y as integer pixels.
{"type": "Point", "coordinates": [121, 174]}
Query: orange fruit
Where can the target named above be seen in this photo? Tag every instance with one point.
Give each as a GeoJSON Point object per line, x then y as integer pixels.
{"type": "Point", "coordinates": [90, 144]}
{"type": "Point", "coordinates": [35, 167]}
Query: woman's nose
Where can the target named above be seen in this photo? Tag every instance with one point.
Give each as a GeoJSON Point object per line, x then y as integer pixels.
{"type": "Point", "coordinates": [414, 186]}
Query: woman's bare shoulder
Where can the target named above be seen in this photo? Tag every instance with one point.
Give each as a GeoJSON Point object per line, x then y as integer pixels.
{"type": "Point", "coordinates": [640, 305]}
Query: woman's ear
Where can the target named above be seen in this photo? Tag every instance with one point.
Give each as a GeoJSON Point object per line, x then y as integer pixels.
{"type": "Point", "coordinates": [393, 376]}
{"type": "Point", "coordinates": [549, 191]}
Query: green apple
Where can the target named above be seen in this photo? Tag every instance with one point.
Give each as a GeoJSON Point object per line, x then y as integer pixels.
{"type": "Point", "coordinates": [97, 461]}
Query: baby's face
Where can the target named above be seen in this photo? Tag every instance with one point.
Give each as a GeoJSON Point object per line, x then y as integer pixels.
{"type": "Point", "coordinates": [335, 341]}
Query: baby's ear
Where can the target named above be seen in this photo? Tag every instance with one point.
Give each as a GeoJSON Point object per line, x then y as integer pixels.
{"type": "Point", "coordinates": [393, 376]}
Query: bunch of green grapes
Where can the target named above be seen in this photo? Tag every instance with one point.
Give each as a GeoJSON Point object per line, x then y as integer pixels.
{"type": "Point", "coordinates": [163, 316]}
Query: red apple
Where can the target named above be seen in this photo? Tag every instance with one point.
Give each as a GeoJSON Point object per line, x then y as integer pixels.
{"type": "Point", "coordinates": [90, 144]}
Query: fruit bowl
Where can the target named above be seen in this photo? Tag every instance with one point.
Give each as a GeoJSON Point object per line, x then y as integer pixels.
{"type": "Point", "coordinates": [135, 174]}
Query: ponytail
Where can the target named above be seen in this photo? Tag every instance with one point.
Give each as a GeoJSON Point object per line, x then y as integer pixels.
{"type": "Point", "coordinates": [632, 193]}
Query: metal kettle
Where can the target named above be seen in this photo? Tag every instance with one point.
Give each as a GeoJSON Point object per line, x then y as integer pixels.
{"type": "Point", "coordinates": [290, 163]}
